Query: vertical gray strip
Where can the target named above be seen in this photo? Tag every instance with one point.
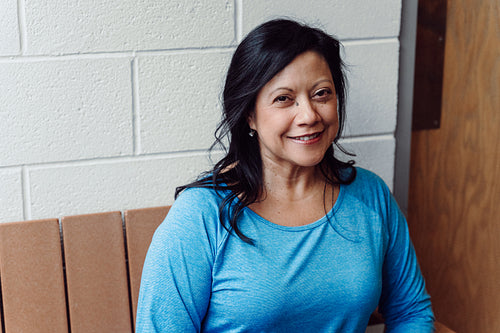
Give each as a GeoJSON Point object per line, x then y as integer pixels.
{"type": "Point", "coordinates": [21, 19]}
{"type": "Point", "coordinates": [136, 118]}
{"type": "Point", "coordinates": [238, 20]}
{"type": "Point", "coordinates": [407, 38]}
{"type": "Point", "coordinates": [25, 181]}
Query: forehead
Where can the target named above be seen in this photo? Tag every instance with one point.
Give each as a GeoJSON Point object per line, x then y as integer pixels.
{"type": "Point", "coordinates": [306, 68]}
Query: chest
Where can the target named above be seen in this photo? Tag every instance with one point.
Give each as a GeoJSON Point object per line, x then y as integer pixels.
{"type": "Point", "coordinates": [294, 213]}
{"type": "Point", "coordinates": [304, 278]}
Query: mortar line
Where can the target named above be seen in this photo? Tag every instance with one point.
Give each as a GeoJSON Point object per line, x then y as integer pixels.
{"type": "Point", "coordinates": [25, 181]}
{"type": "Point", "coordinates": [238, 18]}
{"type": "Point", "coordinates": [171, 154]}
{"type": "Point", "coordinates": [120, 159]}
{"type": "Point", "coordinates": [21, 21]}
{"type": "Point", "coordinates": [152, 52]}
{"type": "Point", "coordinates": [65, 57]}
{"type": "Point", "coordinates": [369, 40]}
{"type": "Point", "coordinates": [136, 120]}
{"type": "Point", "coordinates": [184, 51]}
{"type": "Point", "coordinates": [116, 54]}
{"type": "Point", "coordinates": [380, 136]}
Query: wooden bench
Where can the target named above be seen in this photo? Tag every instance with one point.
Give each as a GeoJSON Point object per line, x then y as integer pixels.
{"type": "Point", "coordinates": [79, 275]}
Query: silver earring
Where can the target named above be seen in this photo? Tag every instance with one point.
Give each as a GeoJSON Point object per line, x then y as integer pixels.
{"type": "Point", "coordinates": [251, 133]}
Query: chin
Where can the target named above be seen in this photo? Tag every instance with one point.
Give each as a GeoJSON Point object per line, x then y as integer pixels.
{"type": "Point", "coordinates": [309, 162]}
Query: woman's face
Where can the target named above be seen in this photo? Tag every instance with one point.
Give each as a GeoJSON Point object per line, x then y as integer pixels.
{"type": "Point", "coordinates": [296, 113]}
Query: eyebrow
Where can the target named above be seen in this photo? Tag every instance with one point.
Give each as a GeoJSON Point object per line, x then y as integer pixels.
{"type": "Point", "coordinates": [280, 88]}
{"type": "Point", "coordinates": [291, 90]}
{"type": "Point", "coordinates": [321, 81]}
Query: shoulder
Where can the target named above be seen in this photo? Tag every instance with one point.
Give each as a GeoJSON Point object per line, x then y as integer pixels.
{"type": "Point", "coordinates": [200, 198]}
{"type": "Point", "coordinates": [366, 175]}
{"type": "Point", "coordinates": [193, 218]}
{"type": "Point", "coordinates": [367, 181]}
{"type": "Point", "coordinates": [370, 191]}
{"type": "Point", "coordinates": [195, 207]}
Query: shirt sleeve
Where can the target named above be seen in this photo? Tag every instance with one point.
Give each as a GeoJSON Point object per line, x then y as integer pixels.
{"type": "Point", "coordinates": [404, 303]}
{"type": "Point", "coordinates": [176, 277]}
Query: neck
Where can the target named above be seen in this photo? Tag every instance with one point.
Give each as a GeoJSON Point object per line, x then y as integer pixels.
{"type": "Point", "coordinates": [292, 184]}
{"type": "Point", "coordinates": [286, 194]}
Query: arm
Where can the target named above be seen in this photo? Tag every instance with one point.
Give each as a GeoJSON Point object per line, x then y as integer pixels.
{"type": "Point", "coordinates": [404, 304]}
{"type": "Point", "coordinates": [176, 277]}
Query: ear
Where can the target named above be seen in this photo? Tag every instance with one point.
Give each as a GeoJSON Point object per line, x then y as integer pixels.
{"type": "Point", "coordinates": [251, 121]}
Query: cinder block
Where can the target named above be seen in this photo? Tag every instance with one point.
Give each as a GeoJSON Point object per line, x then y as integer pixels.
{"type": "Point", "coordinates": [179, 100]}
{"type": "Point", "coordinates": [372, 74]}
{"type": "Point", "coordinates": [11, 195]}
{"type": "Point", "coordinates": [110, 185]}
{"type": "Point", "coordinates": [9, 28]}
{"type": "Point", "coordinates": [65, 110]}
{"type": "Point", "coordinates": [120, 25]}
{"type": "Point", "coordinates": [351, 19]}
{"type": "Point", "coordinates": [373, 153]}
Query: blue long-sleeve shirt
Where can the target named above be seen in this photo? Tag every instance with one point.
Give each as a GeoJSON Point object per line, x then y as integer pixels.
{"type": "Point", "coordinates": [327, 276]}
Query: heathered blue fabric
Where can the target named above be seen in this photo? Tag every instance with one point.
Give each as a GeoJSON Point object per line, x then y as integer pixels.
{"type": "Point", "coordinates": [327, 276]}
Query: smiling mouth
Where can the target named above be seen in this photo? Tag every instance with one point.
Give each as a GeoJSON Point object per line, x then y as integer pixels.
{"type": "Point", "coordinates": [307, 137]}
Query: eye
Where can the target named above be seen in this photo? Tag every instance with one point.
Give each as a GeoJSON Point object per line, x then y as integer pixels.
{"type": "Point", "coordinates": [282, 99]}
{"type": "Point", "coordinates": [323, 93]}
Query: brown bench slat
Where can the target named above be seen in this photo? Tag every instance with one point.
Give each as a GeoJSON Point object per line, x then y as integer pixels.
{"type": "Point", "coordinates": [96, 273]}
{"type": "Point", "coordinates": [32, 277]}
{"type": "Point", "coordinates": [441, 328]}
{"type": "Point", "coordinates": [140, 225]}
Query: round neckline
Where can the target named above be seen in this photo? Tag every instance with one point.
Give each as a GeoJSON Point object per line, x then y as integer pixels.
{"type": "Point", "coordinates": [322, 220]}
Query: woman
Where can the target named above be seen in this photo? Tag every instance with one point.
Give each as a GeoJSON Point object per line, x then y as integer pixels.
{"type": "Point", "coordinates": [281, 236]}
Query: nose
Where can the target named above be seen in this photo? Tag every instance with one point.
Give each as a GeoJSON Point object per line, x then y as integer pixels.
{"type": "Point", "coordinates": [306, 113]}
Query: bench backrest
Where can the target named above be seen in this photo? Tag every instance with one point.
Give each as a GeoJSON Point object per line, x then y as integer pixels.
{"type": "Point", "coordinates": [79, 275]}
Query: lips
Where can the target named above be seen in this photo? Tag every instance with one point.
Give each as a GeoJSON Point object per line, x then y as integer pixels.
{"type": "Point", "coordinates": [306, 137]}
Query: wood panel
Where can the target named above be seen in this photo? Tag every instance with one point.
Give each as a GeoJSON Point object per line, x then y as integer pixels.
{"type": "Point", "coordinates": [429, 60]}
{"type": "Point", "coordinates": [32, 277]}
{"type": "Point", "coordinates": [140, 225]}
{"type": "Point", "coordinates": [440, 328]}
{"type": "Point", "coordinates": [455, 176]}
{"type": "Point", "coordinates": [96, 273]}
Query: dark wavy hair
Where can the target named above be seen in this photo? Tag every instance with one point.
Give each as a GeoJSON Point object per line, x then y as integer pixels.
{"type": "Point", "coordinates": [263, 53]}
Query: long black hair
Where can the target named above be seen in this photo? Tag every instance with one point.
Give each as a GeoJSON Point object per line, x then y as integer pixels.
{"type": "Point", "coordinates": [263, 53]}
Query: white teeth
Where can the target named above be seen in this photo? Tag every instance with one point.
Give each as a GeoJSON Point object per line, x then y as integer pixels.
{"type": "Point", "coordinates": [307, 137]}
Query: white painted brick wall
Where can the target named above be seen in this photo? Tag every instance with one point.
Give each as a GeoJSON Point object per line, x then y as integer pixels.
{"type": "Point", "coordinates": [61, 110]}
{"type": "Point", "coordinates": [179, 100]}
{"type": "Point", "coordinates": [110, 105]}
{"type": "Point", "coordinates": [374, 153]}
{"type": "Point", "coordinates": [11, 195]}
{"type": "Point", "coordinates": [352, 19]}
{"type": "Point", "coordinates": [9, 31]}
{"type": "Point", "coordinates": [89, 187]}
{"type": "Point", "coordinates": [55, 27]}
{"type": "Point", "coordinates": [372, 73]}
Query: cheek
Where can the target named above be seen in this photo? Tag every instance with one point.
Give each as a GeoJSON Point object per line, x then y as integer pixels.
{"type": "Point", "coordinates": [330, 116]}
{"type": "Point", "coordinates": [275, 123]}
{"type": "Point", "coordinates": [334, 118]}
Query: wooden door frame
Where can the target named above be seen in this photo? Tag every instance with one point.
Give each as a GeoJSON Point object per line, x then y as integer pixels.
{"type": "Point", "coordinates": [422, 26]}
{"type": "Point", "coordinates": [407, 40]}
